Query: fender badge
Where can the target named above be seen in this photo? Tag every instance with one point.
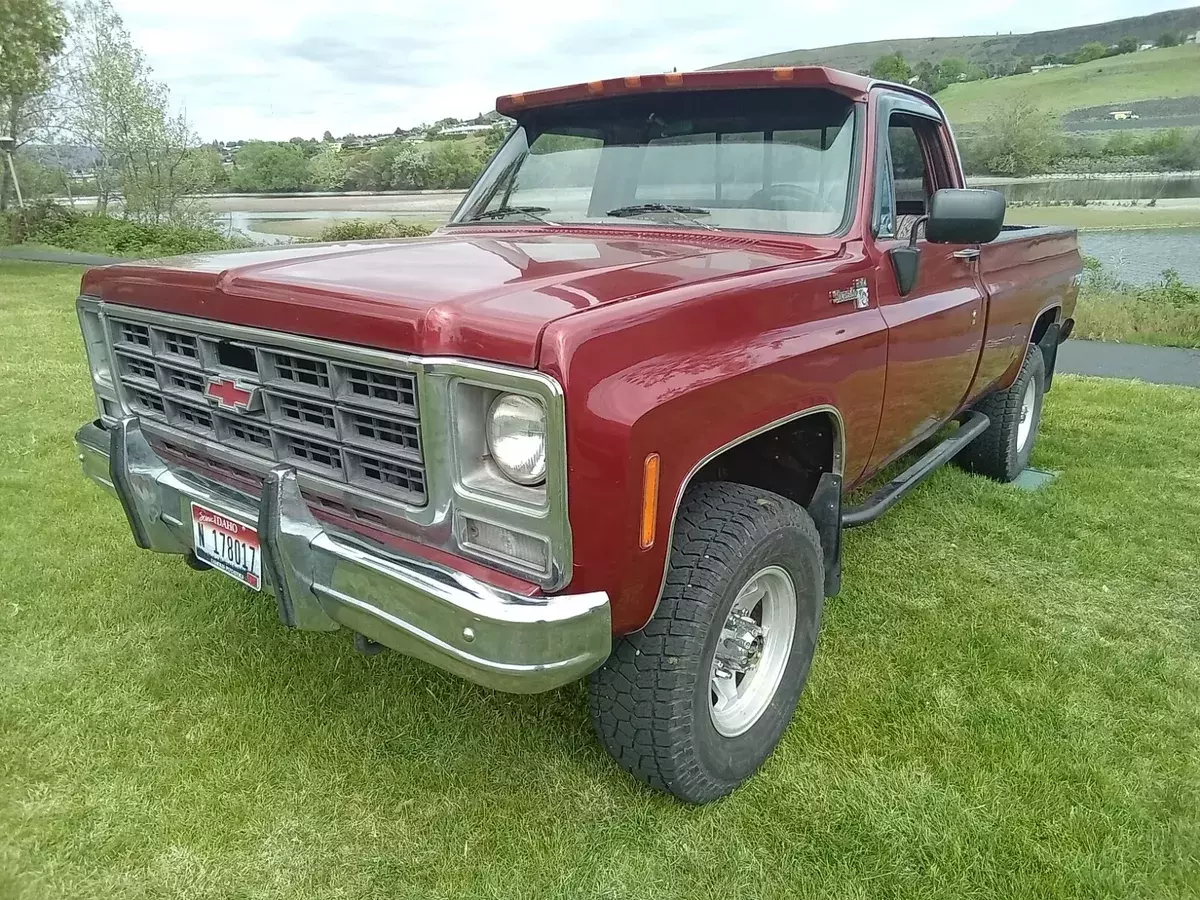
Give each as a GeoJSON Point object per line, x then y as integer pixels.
{"type": "Point", "coordinates": [857, 292]}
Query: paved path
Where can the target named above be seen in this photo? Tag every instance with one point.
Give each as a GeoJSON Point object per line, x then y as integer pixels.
{"type": "Point", "coordinates": [1160, 365]}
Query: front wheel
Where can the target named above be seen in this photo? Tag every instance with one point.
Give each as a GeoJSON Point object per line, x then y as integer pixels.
{"type": "Point", "coordinates": [695, 702]}
{"type": "Point", "coordinates": [1002, 451]}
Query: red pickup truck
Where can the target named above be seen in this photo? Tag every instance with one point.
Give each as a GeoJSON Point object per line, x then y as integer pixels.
{"type": "Point", "coordinates": [604, 421]}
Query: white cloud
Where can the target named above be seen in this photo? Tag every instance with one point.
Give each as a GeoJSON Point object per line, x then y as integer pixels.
{"type": "Point", "coordinates": [276, 69]}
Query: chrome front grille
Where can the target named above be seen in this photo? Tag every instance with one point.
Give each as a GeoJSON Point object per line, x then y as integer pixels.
{"type": "Point", "coordinates": [337, 419]}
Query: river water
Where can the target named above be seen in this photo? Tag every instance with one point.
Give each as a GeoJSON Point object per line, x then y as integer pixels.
{"type": "Point", "coordinates": [1140, 256]}
{"type": "Point", "coordinates": [1136, 256]}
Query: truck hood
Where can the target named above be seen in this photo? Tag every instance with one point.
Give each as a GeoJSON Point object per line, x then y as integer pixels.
{"type": "Point", "coordinates": [478, 295]}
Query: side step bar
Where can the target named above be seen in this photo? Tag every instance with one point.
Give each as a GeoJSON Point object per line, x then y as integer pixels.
{"type": "Point", "coordinates": [886, 497]}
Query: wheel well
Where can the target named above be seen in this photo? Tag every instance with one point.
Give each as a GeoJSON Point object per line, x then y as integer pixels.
{"type": "Point", "coordinates": [1045, 320]}
{"type": "Point", "coordinates": [787, 460]}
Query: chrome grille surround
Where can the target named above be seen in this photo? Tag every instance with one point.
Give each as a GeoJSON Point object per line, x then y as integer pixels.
{"type": "Point", "coordinates": [305, 402]}
{"type": "Point", "coordinates": [368, 432]}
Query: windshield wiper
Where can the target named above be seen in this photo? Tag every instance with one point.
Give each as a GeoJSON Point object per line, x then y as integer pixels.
{"type": "Point", "coordinates": [686, 213]}
{"type": "Point", "coordinates": [531, 213]}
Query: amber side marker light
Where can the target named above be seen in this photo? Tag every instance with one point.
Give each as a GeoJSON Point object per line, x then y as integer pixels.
{"type": "Point", "coordinates": [649, 500]}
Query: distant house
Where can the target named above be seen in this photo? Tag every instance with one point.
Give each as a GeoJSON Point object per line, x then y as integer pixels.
{"type": "Point", "coordinates": [465, 129]}
{"type": "Point", "coordinates": [1149, 46]}
{"type": "Point", "coordinates": [1048, 66]}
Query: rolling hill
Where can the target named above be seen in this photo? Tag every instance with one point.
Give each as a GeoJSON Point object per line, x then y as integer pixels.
{"type": "Point", "coordinates": [1117, 82]}
{"type": "Point", "coordinates": [982, 49]}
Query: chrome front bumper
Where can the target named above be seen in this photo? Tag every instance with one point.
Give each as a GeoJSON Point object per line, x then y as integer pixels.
{"type": "Point", "coordinates": [324, 581]}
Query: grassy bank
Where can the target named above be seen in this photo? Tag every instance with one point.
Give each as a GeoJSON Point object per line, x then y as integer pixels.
{"type": "Point", "coordinates": [1104, 217]}
{"type": "Point", "coordinates": [1005, 703]}
{"type": "Point", "coordinates": [1121, 317]}
{"type": "Point", "coordinates": [1165, 313]}
{"type": "Point", "coordinates": [1172, 72]}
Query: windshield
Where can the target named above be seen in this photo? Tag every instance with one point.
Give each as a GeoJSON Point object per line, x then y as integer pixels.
{"type": "Point", "coordinates": [765, 160]}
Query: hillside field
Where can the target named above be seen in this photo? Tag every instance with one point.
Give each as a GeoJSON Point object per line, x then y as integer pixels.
{"type": "Point", "coordinates": [1148, 75]}
{"type": "Point", "coordinates": [982, 49]}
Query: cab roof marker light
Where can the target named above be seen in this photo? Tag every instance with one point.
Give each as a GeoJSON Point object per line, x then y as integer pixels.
{"type": "Point", "coordinates": [633, 81]}
{"type": "Point", "coordinates": [674, 78]}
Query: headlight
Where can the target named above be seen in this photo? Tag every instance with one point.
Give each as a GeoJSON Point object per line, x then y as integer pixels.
{"type": "Point", "coordinates": [516, 437]}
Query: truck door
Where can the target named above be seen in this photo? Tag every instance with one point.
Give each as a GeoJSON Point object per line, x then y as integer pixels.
{"type": "Point", "coordinates": [935, 333]}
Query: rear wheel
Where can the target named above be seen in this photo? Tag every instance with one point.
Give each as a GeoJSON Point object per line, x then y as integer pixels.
{"type": "Point", "coordinates": [695, 702]}
{"type": "Point", "coordinates": [1002, 452]}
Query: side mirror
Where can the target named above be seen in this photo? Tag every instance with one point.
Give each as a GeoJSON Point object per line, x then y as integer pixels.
{"type": "Point", "coordinates": [960, 216]}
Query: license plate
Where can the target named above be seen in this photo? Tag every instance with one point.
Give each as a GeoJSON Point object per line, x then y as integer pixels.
{"type": "Point", "coordinates": [227, 545]}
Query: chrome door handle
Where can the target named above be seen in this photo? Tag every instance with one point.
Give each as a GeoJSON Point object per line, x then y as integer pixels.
{"type": "Point", "coordinates": [969, 253]}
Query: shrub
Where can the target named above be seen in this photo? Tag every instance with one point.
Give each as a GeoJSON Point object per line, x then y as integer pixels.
{"type": "Point", "coordinates": [1170, 290]}
{"type": "Point", "coordinates": [1018, 140]}
{"type": "Point", "coordinates": [1164, 312]}
{"type": "Point", "coordinates": [69, 229]}
{"type": "Point", "coordinates": [369, 229]}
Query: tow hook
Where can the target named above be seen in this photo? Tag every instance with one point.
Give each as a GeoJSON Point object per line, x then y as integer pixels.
{"type": "Point", "coordinates": [194, 562]}
{"type": "Point", "coordinates": [366, 646]}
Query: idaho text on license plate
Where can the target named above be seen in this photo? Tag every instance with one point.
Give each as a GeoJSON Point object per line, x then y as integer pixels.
{"type": "Point", "coordinates": [227, 545]}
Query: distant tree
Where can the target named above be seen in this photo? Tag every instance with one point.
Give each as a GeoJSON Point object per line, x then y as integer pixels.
{"type": "Point", "coordinates": [327, 137]}
{"type": "Point", "coordinates": [1019, 139]}
{"type": "Point", "coordinates": [892, 67]}
{"type": "Point", "coordinates": [371, 170]}
{"type": "Point", "coordinates": [952, 69]}
{"type": "Point", "coordinates": [929, 78]}
{"type": "Point", "coordinates": [452, 165]}
{"type": "Point", "coordinates": [31, 37]}
{"type": "Point", "coordinates": [1089, 52]}
{"type": "Point", "coordinates": [1168, 39]}
{"type": "Point", "coordinates": [410, 169]}
{"type": "Point", "coordinates": [119, 111]}
{"type": "Point", "coordinates": [327, 170]}
{"type": "Point", "coordinates": [1127, 44]}
{"type": "Point", "coordinates": [203, 171]}
{"type": "Point", "coordinates": [494, 137]}
{"type": "Point", "coordinates": [264, 166]}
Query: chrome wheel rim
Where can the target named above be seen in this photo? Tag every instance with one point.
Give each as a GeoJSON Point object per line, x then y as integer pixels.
{"type": "Point", "coordinates": [752, 651]}
{"type": "Point", "coordinates": [1025, 426]}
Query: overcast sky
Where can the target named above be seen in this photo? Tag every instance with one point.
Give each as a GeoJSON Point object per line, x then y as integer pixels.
{"type": "Point", "coordinates": [274, 69]}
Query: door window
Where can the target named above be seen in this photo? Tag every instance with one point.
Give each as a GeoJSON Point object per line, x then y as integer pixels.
{"type": "Point", "coordinates": [909, 179]}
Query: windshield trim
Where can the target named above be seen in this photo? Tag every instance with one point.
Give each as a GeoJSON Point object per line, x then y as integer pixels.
{"type": "Point", "coordinates": [849, 215]}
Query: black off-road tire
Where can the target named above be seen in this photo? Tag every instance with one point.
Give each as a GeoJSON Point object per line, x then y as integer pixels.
{"type": "Point", "coordinates": [997, 453]}
{"type": "Point", "coordinates": [650, 702]}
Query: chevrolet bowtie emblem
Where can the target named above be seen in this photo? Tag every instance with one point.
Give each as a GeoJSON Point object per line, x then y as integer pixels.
{"type": "Point", "coordinates": [229, 394]}
{"type": "Point", "coordinates": [857, 292]}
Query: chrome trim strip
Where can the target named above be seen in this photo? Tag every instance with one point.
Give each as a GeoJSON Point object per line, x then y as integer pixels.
{"type": "Point", "coordinates": [432, 523]}
{"type": "Point", "coordinates": [839, 463]}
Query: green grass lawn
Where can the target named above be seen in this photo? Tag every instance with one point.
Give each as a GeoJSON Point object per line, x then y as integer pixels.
{"type": "Point", "coordinates": [1005, 702]}
{"type": "Point", "coordinates": [1172, 72]}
